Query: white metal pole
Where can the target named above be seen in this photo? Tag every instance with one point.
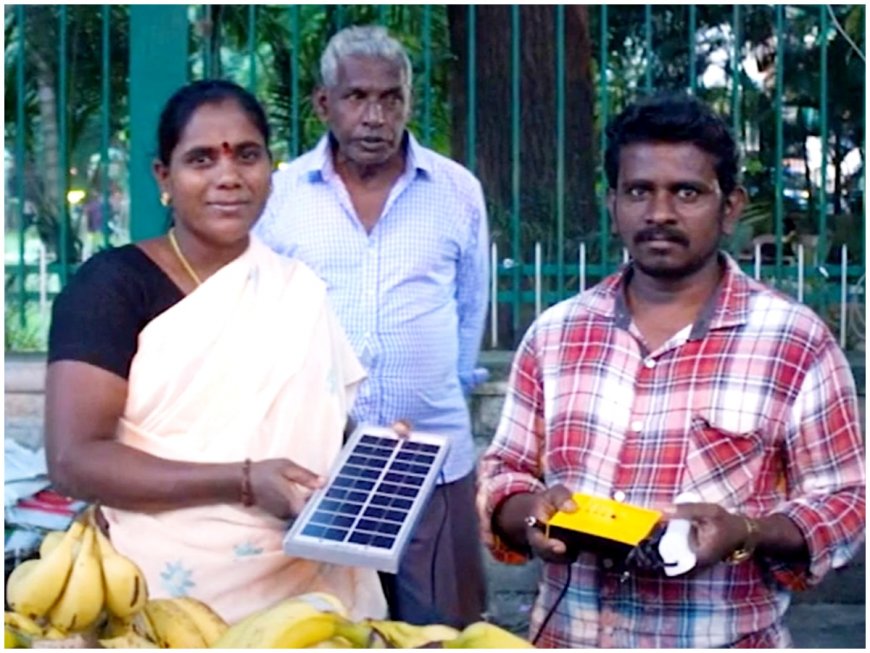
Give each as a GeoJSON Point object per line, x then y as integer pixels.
{"type": "Point", "coordinates": [844, 253]}
{"type": "Point", "coordinates": [624, 255]}
{"type": "Point", "coordinates": [538, 271]}
{"type": "Point", "coordinates": [582, 270]}
{"type": "Point", "coordinates": [493, 296]}
{"type": "Point", "coordinates": [43, 277]}
{"type": "Point", "coordinates": [800, 264]}
{"type": "Point", "coordinates": [758, 261]}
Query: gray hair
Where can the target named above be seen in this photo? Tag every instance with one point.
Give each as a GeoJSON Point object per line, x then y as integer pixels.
{"type": "Point", "coordinates": [371, 41]}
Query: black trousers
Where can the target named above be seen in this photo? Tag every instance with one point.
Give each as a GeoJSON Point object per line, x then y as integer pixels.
{"type": "Point", "coordinates": [441, 579]}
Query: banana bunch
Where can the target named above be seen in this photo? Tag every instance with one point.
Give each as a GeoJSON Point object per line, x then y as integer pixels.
{"type": "Point", "coordinates": [486, 635]}
{"type": "Point", "coordinates": [78, 576]}
{"type": "Point", "coordinates": [309, 620]}
{"type": "Point", "coordinates": [181, 622]}
{"type": "Point", "coordinates": [399, 634]}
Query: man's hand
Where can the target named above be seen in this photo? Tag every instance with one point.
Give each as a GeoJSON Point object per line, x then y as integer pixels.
{"type": "Point", "coordinates": [513, 520]}
{"type": "Point", "coordinates": [715, 532]}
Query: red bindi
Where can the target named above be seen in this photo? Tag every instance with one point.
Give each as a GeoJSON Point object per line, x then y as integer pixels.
{"type": "Point", "coordinates": [226, 149]}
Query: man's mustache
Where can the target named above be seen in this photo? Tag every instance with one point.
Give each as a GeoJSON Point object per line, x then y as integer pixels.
{"type": "Point", "coordinates": [661, 233]}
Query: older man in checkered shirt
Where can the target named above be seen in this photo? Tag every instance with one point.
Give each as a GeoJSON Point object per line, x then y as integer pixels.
{"type": "Point", "coordinates": [678, 374]}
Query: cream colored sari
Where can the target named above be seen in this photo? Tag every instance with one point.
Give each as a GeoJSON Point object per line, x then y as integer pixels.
{"type": "Point", "coordinates": [250, 365]}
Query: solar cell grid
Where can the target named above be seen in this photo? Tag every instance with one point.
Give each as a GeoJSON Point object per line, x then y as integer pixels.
{"type": "Point", "coordinates": [366, 514]}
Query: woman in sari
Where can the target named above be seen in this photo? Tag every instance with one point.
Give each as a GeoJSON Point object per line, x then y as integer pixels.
{"type": "Point", "coordinates": [198, 384]}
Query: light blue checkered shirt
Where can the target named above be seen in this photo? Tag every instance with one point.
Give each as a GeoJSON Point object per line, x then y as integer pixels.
{"type": "Point", "coordinates": [412, 295]}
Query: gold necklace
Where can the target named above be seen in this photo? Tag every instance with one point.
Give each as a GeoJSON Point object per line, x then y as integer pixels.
{"type": "Point", "coordinates": [181, 257]}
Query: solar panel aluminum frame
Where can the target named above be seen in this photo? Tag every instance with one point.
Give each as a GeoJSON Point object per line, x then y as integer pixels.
{"type": "Point", "coordinates": [310, 547]}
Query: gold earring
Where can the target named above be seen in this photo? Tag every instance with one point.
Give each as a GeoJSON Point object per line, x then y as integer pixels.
{"type": "Point", "coordinates": [165, 198]}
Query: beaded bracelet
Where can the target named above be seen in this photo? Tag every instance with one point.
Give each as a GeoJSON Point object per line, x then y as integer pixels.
{"type": "Point", "coordinates": [247, 492]}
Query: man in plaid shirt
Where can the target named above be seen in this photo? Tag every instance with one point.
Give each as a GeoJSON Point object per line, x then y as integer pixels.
{"type": "Point", "coordinates": [678, 374]}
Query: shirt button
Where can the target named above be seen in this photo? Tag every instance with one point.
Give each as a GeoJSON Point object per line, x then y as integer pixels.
{"type": "Point", "coordinates": [619, 496]}
{"type": "Point", "coordinates": [637, 426]}
{"type": "Point", "coordinates": [607, 563]}
{"type": "Point", "coordinates": [649, 363]}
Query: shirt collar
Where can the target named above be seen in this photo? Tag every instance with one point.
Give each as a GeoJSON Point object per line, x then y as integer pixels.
{"type": "Point", "coordinates": [418, 160]}
{"type": "Point", "coordinates": [728, 306]}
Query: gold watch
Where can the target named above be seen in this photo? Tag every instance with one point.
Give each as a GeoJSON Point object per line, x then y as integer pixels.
{"type": "Point", "coordinates": [745, 550]}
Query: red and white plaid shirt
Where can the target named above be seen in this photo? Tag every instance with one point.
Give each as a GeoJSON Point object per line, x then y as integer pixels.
{"type": "Point", "coordinates": [753, 408]}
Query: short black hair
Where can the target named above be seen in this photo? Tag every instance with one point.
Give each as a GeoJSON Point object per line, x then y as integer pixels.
{"type": "Point", "coordinates": [674, 118]}
{"type": "Point", "coordinates": [185, 101]}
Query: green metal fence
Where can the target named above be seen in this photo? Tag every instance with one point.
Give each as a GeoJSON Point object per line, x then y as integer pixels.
{"type": "Point", "coordinates": [517, 93]}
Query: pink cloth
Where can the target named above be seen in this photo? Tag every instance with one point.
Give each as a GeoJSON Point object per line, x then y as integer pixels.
{"type": "Point", "coordinates": [251, 365]}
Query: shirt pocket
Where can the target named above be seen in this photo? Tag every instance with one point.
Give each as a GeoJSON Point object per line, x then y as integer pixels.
{"type": "Point", "coordinates": [721, 465]}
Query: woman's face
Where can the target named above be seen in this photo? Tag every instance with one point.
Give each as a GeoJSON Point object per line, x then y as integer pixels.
{"type": "Point", "coordinates": [219, 173]}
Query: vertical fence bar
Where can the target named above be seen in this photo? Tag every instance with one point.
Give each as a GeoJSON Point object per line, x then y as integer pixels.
{"type": "Point", "coordinates": [339, 17]}
{"type": "Point", "coordinates": [493, 295]}
{"type": "Point", "coordinates": [778, 213]}
{"type": "Point", "coordinates": [800, 272]}
{"type": "Point", "coordinates": [581, 272]}
{"type": "Point", "coordinates": [693, 35]}
{"type": "Point", "coordinates": [736, 68]}
{"type": "Point", "coordinates": [844, 282]}
{"type": "Point", "coordinates": [252, 48]}
{"type": "Point", "coordinates": [43, 278]}
{"type": "Point", "coordinates": [471, 137]}
{"type": "Point", "coordinates": [427, 74]}
{"type": "Point", "coordinates": [294, 81]}
{"type": "Point", "coordinates": [515, 162]}
{"type": "Point", "coordinates": [538, 273]}
{"type": "Point", "coordinates": [756, 257]}
{"type": "Point", "coordinates": [207, 64]}
{"type": "Point", "coordinates": [20, 163]}
{"type": "Point", "coordinates": [647, 48]}
{"type": "Point", "coordinates": [63, 167]}
{"type": "Point", "coordinates": [382, 15]}
{"type": "Point", "coordinates": [823, 133]}
{"type": "Point", "coordinates": [560, 149]}
{"type": "Point", "coordinates": [105, 99]}
{"type": "Point", "coordinates": [604, 103]}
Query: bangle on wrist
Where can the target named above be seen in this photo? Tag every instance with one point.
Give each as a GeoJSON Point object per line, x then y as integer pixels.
{"type": "Point", "coordinates": [247, 493]}
{"type": "Point", "coordinates": [747, 548]}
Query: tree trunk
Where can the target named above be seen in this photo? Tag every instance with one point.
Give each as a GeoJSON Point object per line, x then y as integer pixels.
{"type": "Point", "coordinates": [538, 120]}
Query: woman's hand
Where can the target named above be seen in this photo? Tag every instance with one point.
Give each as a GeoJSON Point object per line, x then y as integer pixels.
{"type": "Point", "coordinates": [281, 487]}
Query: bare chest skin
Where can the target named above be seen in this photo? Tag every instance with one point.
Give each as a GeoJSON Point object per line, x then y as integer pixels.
{"type": "Point", "coordinates": [659, 324]}
{"type": "Point", "coordinates": [368, 203]}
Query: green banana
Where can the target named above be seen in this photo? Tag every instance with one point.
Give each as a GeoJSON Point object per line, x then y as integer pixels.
{"type": "Point", "coordinates": [81, 601]}
{"type": "Point", "coordinates": [34, 586]}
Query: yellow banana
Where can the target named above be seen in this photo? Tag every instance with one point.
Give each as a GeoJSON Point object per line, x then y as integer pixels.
{"type": "Point", "coordinates": [248, 629]}
{"type": "Point", "coordinates": [124, 583]}
{"type": "Point", "coordinates": [210, 624]}
{"type": "Point", "coordinates": [21, 623]}
{"type": "Point", "coordinates": [486, 635]}
{"type": "Point", "coordinates": [34, 586]}
{"type": "Point", "coordinates": [127, 640]}
{"type": "Point", "coordinates": [50, 541]}
{"type": "Point", "coordinates": [334, 642]}
{"type": "Point", "coordinates": [404, 635]}
{"type": "Point", "coordinates": [13, 639]}
{"type": "Point", "coordinates": [172, 626]}
{"type": "Point", "coordinates": [141, 625]}
{"type": "Point", "coordinates": [82, 599]}
{"type": "Point", "coordinates": [269, 625]}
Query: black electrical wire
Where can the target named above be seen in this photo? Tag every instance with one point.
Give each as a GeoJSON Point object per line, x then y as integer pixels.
{"type": "Point", "coordinates": [554, 606]}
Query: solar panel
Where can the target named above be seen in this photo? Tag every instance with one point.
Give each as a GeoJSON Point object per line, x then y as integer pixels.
{"type": "Point", "coordinates": [366, 513]}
